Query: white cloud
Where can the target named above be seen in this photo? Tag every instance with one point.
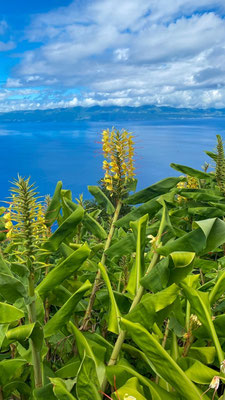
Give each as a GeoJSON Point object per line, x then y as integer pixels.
{"type": "Point", "coordinates": [3, 27]}
{"type": "Point", "coordinates": [13, 83]}
{"type": "Point", "coordinates": [128, 52]}
{"type": "Point", "coordinates": [7, 46]}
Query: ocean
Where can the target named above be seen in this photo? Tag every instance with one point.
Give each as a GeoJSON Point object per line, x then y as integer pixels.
{"type": "Point", "coordinates": [71, 152]}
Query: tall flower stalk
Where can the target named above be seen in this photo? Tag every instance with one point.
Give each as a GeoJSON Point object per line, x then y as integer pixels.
{"type": "Point", "coordinates": [122, 335]}
{"type": "Point", "coordinates": [118, 164]}
{"type": "Point", "coordinates": [27, 232]}
{"type": "Point", "coordinates": [220, 165]}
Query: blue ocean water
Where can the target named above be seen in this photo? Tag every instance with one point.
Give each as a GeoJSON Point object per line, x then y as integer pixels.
{"type": "Point", "coordinates": [71, 152]}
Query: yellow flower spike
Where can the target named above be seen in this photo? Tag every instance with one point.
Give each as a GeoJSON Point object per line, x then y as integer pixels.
{"type": "Point", "coordinates": [118, 161]}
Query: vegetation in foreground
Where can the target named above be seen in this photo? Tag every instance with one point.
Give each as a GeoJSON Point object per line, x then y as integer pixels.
{"type": "Point", "coordinates": [124, 298]}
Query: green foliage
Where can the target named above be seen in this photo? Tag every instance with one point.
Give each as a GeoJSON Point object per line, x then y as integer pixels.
{"type": "Point", "coordinates": [156, 327]}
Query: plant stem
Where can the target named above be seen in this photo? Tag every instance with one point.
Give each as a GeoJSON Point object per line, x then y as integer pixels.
{"type": "Point", "coordinates": [137, 298]}
{"type": "Point", "coordinates": [165, 336]}
{"type": "Point", "coordinates": [36, 356]}
{"type": "Point", "coordinates": [98, 275]}
{"type": "Point", "coordinates": [188, 313]}
{"type": "Point", "coordinates": [1, 394]}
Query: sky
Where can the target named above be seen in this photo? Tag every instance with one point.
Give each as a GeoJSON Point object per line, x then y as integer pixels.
{"type": "Point", "coordinates": [63, 53]}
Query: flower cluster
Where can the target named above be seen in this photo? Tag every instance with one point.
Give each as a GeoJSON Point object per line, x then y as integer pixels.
{"type": "Point", "coordinates": [191, 183]}
{"type": "Point", "coordinates": [118, 164]}
{"type": "Point", "coordinates": [40, 229]}
{"type": "Point", "coordinates": [8, 224]}
{"type": "Point", "coordinates": [194, 321]}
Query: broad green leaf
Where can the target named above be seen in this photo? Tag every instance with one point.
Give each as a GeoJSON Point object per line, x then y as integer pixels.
{"type": "Point", "coordinates": [10, 370]}
{"type": "Point", "coordinates": [181, 266]}
{"type": "Point", "coordinates": [204, 354]}
{"type": "Point", "coordinates": [214, 230]}
{"type": "Point", "coordinates": [58, 296]}
{"type": "Point", "coordinates": [101, 199]}
{"type": "Point", "coordinates": [138, 270]}
{"type": "Point", "coordinates": [203, 195]}
{"type": "Point", "coordinates": [122, 247]}
{"type": "Point", "coordinates": [169, 270]}
{"type": "Point", "coordinates": [131, 389]}
{"type": "Point", "coordinates": [217, 290]}
{"type": "Point", "coordinates": [3, 330]}
{"type": "Point", "coordinates": [32, 331]}
{"type": "Point", "coordinates": [151, 207]}
{"type": "Point", "coordinates": [193, 241]}
{"type": "Point", "coordinates": [19, 269]}
{"type": "Point", "coordinates": [200, 306]}
{"type": "Point", "coordinates": [4, 268]}
{"type": "Point", "coordinates": [206, 212]}
{"type": "Point", "coordinates": [58, 274]}
{"type": "Point", "coordinates": [87, 386]}
{"type": "Point", "coordinates": [205, 265]}
{"type": "Point", "coordinates": [64, 230]}
{"type": "Point", "coordinates": [114, 313]}
{"type": "Point", "coordinates": [136, 354]}
{"type": "Point", "coordinates": [219, 324]}
{"type": "Point", "coordinates": [190, 171]}
{"type": "Point", "coordinates": [65, 250]}
{"type": "Point", "coordinates": [71, 205]}
{"type": "Point", "coordinates": [210, 234]}
{"type": "Point", "coordinates": [11, 288]}
{"type": "Point", "coordinates": [60, 389]}
{"type": "Point", "coordinates": [94, 227]}
{"type": "Point", "coordinates": [19, 386]}
{"type": "Point", "coordinates": [158, 277]}
{"type": "Point", "coordinates": [162, 362]}
{"type": "Point", "coordinates": [61, 317]}
{"type": "Point", "coordinates": [54, 206]}
{"type": "Point", "coordinates": [84, 348]}
{"type": "Point", "coordinates": [97, 338]}
{"type": "Point", "coordinates": [66, 195]}
{"type": "Point", "coordinates": [124, 371]}
{"type": "Point", "coordinates": [196, 371]}
{"type": "Point", "coordinates": [46, 392]}
{"type": "Point", "coordinates": [9, 313]}
{"type": "Point", "coordinates": [146, 311]}
{"type": "Point", "coordinates": [68, 371]}
{"type": "Point", "coordinates": [152, 191]}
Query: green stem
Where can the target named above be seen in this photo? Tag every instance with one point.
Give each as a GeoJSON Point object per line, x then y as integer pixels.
{"type": "Point", "coordinates": [36, 355]}
{"type": "Point", "coordinates": [188, 313]}
{"type": "Point", "coordinates": [165, 336]}
{"type": "Point", "coordinates": [1, 394]}
{"type": "Point", "coordinates": [98, 275]}
{"type": "Point", "coordinates": [137, 298]}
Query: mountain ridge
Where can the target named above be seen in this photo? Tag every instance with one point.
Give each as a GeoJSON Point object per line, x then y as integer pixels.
{"type": "Point", "coordinates": [109, 113]}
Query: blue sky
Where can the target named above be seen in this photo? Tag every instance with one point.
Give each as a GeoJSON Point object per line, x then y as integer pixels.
{"type": "Point", "coordinates": [111, 52]}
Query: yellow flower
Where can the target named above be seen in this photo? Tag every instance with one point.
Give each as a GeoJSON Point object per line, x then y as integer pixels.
{"type": "Point", "coordinates": [7, 216]}
{"type": "Point", "coordinates": [118, 151]}
{"type": "Point", "coordinates": [9, 225]}
{"type": "Point", "coordinates": [192, 183]}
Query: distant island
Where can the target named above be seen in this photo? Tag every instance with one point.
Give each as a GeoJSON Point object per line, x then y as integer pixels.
{"type": "Point", "coordinates": [109, 113]}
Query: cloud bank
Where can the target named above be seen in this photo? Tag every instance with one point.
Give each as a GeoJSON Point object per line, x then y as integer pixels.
{"type": "Point", "coordinates": [113, 52]}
